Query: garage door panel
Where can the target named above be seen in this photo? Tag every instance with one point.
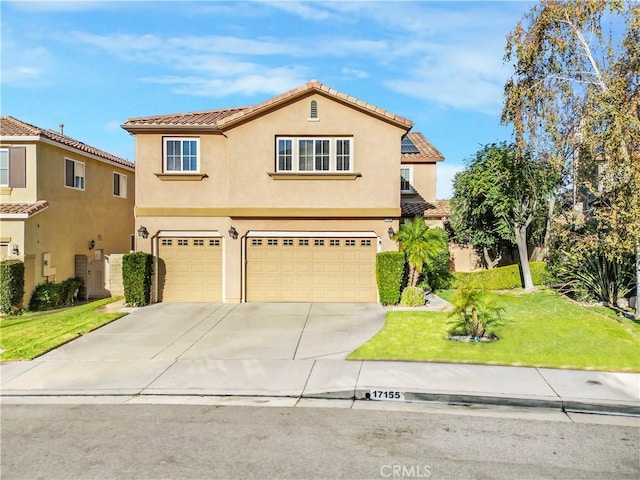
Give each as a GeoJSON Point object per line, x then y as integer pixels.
{"type": "Point", "coordinates": [192, 270]}
{"type": "Point", "coordinates": [311, 269]}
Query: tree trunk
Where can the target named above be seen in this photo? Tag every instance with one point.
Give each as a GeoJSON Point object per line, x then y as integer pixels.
{"type": "Point", "coordinates": [521, 242]}
{"type": "Point", "coordinates": [638, 282]}
{"type": "Point", "coordinates": [542, 253]}
{"type": "Point", "coordinates": [487, 259]}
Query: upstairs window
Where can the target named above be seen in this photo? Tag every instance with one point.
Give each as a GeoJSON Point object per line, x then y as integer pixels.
{"type": "Point", "coordinates": [406, 180]}
{"type": "Point", "coordinates": [181, 155]}
{"type": "Point", "coordinates": [313, 114]}
{"type": "Point", "coordinates": [74, 174]}
{"type": "Point", "coordinates": [13, 167]}
{"type": "Point", "coordinates": [314, 155]}
{"type": "Point", "coordinates": [4, 167]}
{"type": "Point", "coordinates": [119, 185]}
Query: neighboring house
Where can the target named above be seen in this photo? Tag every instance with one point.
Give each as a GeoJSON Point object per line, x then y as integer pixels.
{"type": "Point", "coordinates": [418, 180]}
{"type": "Point", "coordinates": [65, 206]}
{"type": "Point", "coordinates": [288, 200]}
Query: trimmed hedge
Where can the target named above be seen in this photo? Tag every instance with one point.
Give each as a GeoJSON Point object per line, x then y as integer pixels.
{"type": "Point", "coordinates": [11, 285]}
{"type": "Point", "coordinates": [390, 268]}
{"type": "Point", "coordinates": [504, 278]}
{"type": "Point", "coordinates": [54, 295]}
{"type": "Point", "coordinates": [137, 269]}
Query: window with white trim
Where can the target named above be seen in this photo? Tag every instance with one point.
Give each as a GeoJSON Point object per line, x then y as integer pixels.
{"type": "Point", "coordinates": [406, 179]}
{"type": "Point", "coordinates": [73, 174]}
{"type": "Point", "coordinates": [119, 185]}
{"type": "Point", "coordinates": [4, 167]}
{"type": "Point", "coordinates": [314, 155]}
{"type": "Point", "coordinates": [182, 155]}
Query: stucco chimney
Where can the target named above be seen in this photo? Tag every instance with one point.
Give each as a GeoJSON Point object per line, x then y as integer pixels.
{"type": "Point", "coordinates": [62, 129]}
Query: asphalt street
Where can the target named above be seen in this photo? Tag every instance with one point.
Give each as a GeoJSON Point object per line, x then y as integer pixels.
{"type": "Point", "coordinates": [205, 441]}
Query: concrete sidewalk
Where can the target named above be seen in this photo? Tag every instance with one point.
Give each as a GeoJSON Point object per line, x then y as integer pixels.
{"type": "Point", "coordinates": [566, 390]}
{"type": "Point", "coordinates": [160, 352]}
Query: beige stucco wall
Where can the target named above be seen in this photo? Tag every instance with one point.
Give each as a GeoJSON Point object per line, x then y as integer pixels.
{"type": "Point", "coordinates": [237, 165]}
{"type": "Point", "coordinates": [424, 180]}
{"type": "Point", "coordinates": [233, 270]}
{"type": "Point", "coordinates": [74, 217]}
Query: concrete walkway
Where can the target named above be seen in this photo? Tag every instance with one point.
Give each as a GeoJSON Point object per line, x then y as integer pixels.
{"type": "Point", "coordinates": [292, 350]}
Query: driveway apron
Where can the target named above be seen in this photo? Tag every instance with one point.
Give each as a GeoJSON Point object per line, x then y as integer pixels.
{"type": "Point", "coordinates": [205, 349]}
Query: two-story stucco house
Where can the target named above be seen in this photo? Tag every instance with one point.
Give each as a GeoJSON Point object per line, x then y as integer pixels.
{"type": "Point", "coordinates": [287, 200]}
{"type": "Point", "coordinates": [65, 205]}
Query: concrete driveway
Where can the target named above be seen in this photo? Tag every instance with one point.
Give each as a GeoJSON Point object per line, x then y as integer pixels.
{"type": "Point", "coordinates": [285, 331]}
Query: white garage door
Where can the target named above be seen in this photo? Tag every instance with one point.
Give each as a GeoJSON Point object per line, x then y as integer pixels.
{"type": "Point", "coordinates": [311, 269]}
{"type": "Point", "coordinates": [190, 269]}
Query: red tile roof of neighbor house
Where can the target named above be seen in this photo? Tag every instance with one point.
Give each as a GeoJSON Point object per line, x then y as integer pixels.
{"type": "Point", "coordinates": [219, 118]}
{"type": "Point", "coordinates": [12, 127]}
{"type": "Point", "coordinates": [28, 209]}
{"type": "Point", "coordinates": [427, 152]}
{"type": "Point", "coordinates": [417, 207]}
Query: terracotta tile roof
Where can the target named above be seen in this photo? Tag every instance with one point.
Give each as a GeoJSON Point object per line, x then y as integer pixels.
{"type": "Point", "coordinates": [12, 127]}
{"type": "Point", "coordinates": [420, 207]}
{"type": "Point", "coordinates": [209, 118]}
{"type": "Point", "coordinates": [28, 209]}
{"type": "Point", "coordinates": [439, 208]}
{"type": "Point", "coordinates": [217, 119]}
{"type": "Point", "coordinates": [428, 153]}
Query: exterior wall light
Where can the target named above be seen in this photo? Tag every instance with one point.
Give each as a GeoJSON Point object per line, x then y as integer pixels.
{"type": "Point", "coordinates": [92, 243]}
{"type": "Point", "coordinates": [15, 249]}
{"type": "Point", "coordinates": [143, 232]}
{"type": "Point", "coordinates": [233, 233]}
{"type": "Point", "coordinates": [391, 233]}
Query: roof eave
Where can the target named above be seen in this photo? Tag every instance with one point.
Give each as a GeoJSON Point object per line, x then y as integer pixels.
{"type": "Point", "coordinates": [69, 148]}
{"type": "Point", "coordinates": [240, 118]}
{"type": "Point", "coordinates": [168, 127]}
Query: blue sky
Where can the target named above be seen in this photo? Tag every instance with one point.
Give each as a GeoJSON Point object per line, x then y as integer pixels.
{"type": "Point", "coordinates": [91, 65]}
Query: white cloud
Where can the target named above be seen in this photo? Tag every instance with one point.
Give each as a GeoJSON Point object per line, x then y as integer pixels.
{"type": "Point", "coordinates": [21, 65]}
{"type": "Point", "coordinates": [259, 80]}
{"type": "Point", "coordinates": [305, 10]}
{"type": "Point", "coordinates": [354, 73]}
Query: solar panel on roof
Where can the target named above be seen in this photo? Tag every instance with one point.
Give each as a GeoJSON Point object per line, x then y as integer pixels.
{"type": "Point", "coordinates": [408, 146]}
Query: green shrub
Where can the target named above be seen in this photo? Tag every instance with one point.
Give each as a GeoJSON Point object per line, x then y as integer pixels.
{"type": "Point", "coordinates": [412, 297]}
{"type": "Point", "coordinates": [137, 269]}
{"type": "Point", "coordinates": [390, 268]}
{"type": "Point", "coordinates": [54, 295]}
{"type": "Point", "coordinates": [11, 285]}
{"type": "Point", "coordinates": [540, 274]}
{"type": "Point", "coordinates": [503, 278]}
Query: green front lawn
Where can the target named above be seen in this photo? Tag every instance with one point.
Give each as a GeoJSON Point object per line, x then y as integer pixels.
{"type": "Point", "coordinates": [541, 329]}
{"type": "Point", "coordinates": [27, 336]}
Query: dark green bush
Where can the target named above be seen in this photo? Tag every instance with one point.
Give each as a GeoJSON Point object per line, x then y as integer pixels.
{"type": "Point", "coordinates": [390, 269]}
{"type": "Point", "coordinates": [137, 269]}
{"type": "Point", "coordinates": [11, 285]}
{"type": "Point", "coordinates": [55, 295]}
{"type": "Point", "coordinates": [503, 278]}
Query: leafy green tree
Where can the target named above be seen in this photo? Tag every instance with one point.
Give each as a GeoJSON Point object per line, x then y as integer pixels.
{"type": "Point", "coordinates": [576, 89]}
{"type": "Point", "coordinates": [472, 219]}
{"type": "Point", "coordinates": [421, 245]}
{"type": "Point", "coordinates": [507, 192]}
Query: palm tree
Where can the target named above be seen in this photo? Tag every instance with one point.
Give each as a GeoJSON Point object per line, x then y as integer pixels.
{"type": "Point", "coordinates": [420, 244]}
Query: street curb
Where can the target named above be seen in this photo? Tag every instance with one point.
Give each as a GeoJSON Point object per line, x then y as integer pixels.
{"type": "Point", "coordinates": [572, 406]}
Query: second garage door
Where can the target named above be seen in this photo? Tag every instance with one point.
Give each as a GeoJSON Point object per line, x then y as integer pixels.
{"type": "Point", "coordinates": [311, 269]}
{"type": "Point", "coordinates": [190, 270]}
